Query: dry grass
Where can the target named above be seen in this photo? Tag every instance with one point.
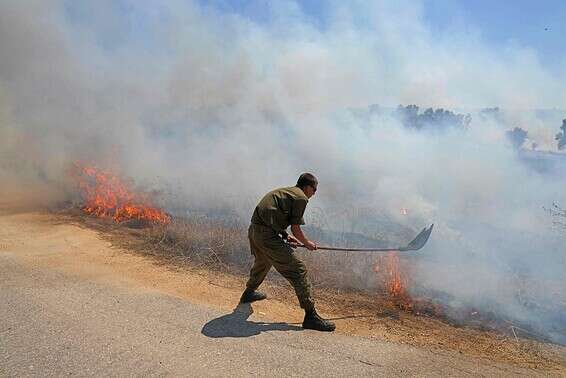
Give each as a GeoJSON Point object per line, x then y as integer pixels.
{"type": "Point", "coordinates": [224, 247]}
{"type": "Point", "coordinates": [201, 243]}
{"type": "Point", "coordinates": [218, 246]}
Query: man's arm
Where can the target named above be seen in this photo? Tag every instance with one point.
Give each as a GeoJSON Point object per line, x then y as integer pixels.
{"type": "Point", "coordinates": [298, 233]}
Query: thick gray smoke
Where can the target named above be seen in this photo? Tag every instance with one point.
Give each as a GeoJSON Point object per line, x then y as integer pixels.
{"type": "Point", "coordinates": [218, 109]}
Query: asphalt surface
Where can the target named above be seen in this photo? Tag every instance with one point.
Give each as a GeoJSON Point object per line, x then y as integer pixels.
{"type": "Point", "coordinates": [53, 323]}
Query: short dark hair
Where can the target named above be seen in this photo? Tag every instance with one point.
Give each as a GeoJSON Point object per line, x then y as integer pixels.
{"type": "Point", "coordinates": [306, 179]}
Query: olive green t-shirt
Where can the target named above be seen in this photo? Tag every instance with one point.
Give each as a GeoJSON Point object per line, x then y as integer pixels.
{"type": "Point", "coordinates": [280, 208]}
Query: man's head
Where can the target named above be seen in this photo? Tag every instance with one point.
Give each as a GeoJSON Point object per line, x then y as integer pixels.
{"type": "Point", "coordinates": [308, 183]}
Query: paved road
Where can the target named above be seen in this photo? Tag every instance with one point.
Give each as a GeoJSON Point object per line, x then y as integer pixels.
{"type": "Point", "coordinates": [53, 323]}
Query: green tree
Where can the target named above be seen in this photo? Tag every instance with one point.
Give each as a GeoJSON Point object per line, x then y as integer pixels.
{"type": "Point", "coordinates": [517, 137]}
{"type": "Point", "coordinates": [561, 136]}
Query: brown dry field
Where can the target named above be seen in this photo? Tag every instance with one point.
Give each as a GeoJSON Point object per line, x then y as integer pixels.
{"type": "Point", "coordinates": [355, 313]}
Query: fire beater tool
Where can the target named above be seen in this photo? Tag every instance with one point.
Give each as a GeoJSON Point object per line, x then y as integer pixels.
{"type": "Point", "coordinates": [414, 245]}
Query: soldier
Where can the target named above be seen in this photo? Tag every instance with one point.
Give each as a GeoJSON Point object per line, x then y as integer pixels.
{"type": "Point", "coordinates": [272, 246]}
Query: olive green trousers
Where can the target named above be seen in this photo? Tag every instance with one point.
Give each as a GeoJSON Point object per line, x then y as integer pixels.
{"type": "Point", "coordinates": [270, 250]}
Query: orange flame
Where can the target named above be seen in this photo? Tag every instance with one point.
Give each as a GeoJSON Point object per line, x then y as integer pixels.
{"type": "Point", "coordinates": [105, 195]}
{"type": "Point", "coordinates": [394, 279]}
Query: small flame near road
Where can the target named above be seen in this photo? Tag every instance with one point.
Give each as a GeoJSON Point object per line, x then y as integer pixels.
{"type": "Point", "coordinates": [394, 275]}
{"type": "Point", "coordinates": [394, 279]}
{"type": "Point", "coordinates": [106, 195]}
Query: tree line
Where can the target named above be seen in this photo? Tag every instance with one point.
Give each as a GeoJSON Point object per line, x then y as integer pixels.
{"type": "Point", "coordinates": [440, 119]}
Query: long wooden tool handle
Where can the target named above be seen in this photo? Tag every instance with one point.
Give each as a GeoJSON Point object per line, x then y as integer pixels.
{"type": "Point", "coordinates": [417, 243]}
{"type": "Point", "coordinates": [324, 248]}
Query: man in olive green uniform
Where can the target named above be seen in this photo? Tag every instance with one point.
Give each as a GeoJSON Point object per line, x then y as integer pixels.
{"type": "Point", "coordinates": [272, 246]}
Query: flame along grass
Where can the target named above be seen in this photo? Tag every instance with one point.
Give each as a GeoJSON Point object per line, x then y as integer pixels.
{"type": "Point", "coordinates": [106, 195]}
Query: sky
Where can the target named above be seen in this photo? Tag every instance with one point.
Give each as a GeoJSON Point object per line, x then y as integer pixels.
{"type": "Point", "coordinates": [535, 25]}
{"type": "Point", "coordinates": [539, 25]}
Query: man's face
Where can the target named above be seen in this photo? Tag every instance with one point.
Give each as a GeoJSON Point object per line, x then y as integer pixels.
{"type": "Point", "coordinates": [310, 190]}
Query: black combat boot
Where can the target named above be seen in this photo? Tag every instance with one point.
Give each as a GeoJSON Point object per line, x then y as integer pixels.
{"type": "Point", "coordinates": [314, 321]}
{"type": "Point", "coordinates": [252, 296]}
